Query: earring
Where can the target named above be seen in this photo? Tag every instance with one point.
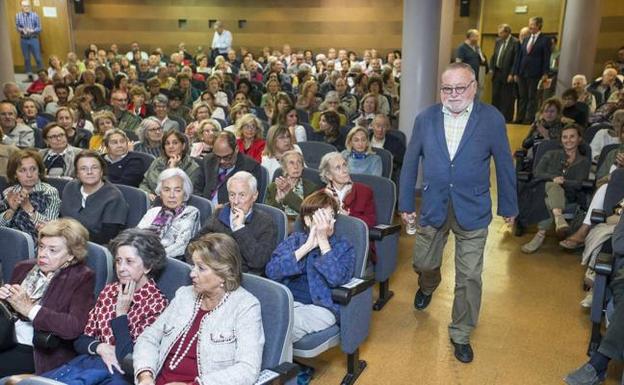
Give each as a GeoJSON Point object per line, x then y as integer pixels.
{"type": "Point", "coordinates": [222, 285]}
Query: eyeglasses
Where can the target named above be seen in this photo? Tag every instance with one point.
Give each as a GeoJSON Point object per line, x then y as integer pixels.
{"type": "Point", "coordinates": [155, 129]}
{"type": "Point", "coordinates": [447, 90]}
{"type": "Point", "coordinates": [55, 137]}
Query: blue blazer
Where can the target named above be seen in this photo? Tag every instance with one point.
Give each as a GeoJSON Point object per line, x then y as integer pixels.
{"type": "Point", "coordinates": [465, 180]}
{"type": "Point", "coordinates": [536, 63]}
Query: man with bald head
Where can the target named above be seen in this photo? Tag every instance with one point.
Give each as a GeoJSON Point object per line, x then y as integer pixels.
{"type": "Point", "coordinates": [470, 53]}
{"type": "Point", "coordinates": [217, 167]}
{"type": "Point", "coordinates": [453, 142]}
{"type": "Point", "coordinates": [605, 86]}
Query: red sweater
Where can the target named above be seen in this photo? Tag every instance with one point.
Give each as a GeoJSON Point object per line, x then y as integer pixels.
{"type": "Point", "coordinates": [254, 151]}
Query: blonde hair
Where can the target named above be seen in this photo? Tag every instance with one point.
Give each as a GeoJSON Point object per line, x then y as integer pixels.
{"type": "Point", "coordinates": [75, 234]}
{"type": "Point", "coordinates": [272, 134]}
{"type": "Point", "coordinates": [222, 254]}
{"type": "Point", "coordinates": [351, 134]}
{"type": "Point", "coordinates": [248, 119]}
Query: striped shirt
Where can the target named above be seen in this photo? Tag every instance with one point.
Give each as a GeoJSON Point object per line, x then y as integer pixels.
{"type": "Point", "coordinates": [29, 21]}
{"type": "Point", "coordinates": [454, 126]}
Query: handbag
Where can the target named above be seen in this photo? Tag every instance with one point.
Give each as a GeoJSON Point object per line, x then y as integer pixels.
{"type": "Point", "coordinates": [8, 339]}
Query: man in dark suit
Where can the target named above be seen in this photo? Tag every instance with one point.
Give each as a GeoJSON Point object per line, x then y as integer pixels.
{"type": "Point", "coordinates": [505, 51]}
{"type": "Point", "coordinates": [454, 142]}
{"type": "Point", "coordinates": [530, 67]}
{"type": "Point", "coordinates": [217, 167]}
{"type": "Point", "coordinates": [470, 53]}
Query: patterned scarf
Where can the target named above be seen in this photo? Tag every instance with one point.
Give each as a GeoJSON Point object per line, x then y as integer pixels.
{"type": "Point", "coordinates": [358, 155]}
{"type": "Point", "coordinates": [164, 219]}
{"type": "Point", "coordinates": [36, 282]}
{"type": "Point", "coordinates": [21, 220]}
{"type": "Point", "coordinates": [331, 190]}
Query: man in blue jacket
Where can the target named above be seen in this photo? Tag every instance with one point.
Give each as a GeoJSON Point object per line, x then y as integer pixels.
{"type": "Point", "coordinates": [454, 141]}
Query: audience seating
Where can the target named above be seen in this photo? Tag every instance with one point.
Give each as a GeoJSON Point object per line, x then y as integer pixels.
{"type": "Point", "coordinates": [100, 260]}
{"type": "Point", "coordinates": [4, 183]}
{"type": "Point", "coordinates": [603, 154]}
{"type": "Point", "coordinates": [276, 303]}
{"type": "Point", "coordinates": [355, 299]}
{"type": "Point", "coordinates": [387, 160]}
{"type": "Point", "coordinates": [310, 174]}
{"type": "Point", "coordinates": [147, 159]}
{"type": "Point", "coordinates": [591, 131]}
{"type": "Point", "coordinates": [314, 151]}
{"type": "Point", "coordinates": [311, 135]}
{"type": "Point", "coordinates": [175, 275]}
{"type": "Point", "coordinates": [398, 134]}
{"type": "Point", "coordinates": [20, 244]}
{"type": "Point", "coordinates": [58, 183]}
{"type": "Point", "coordinates": [138, 204]}
{"type": "Point", "coordinates": [279, 218]}
{"type": "Point", "coordinates": [385, 234]}
{"type": "Point", "coordinates": [203, 205]}
{"type": "Point", "coordinates": [263, 183]}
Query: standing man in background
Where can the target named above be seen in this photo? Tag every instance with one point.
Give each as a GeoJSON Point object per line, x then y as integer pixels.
{"type": "Point", "coordinates": [502, 61]}
{"type": "Point", "coordinates": [531, 66]}
{"type": "Point", "coordinates": [454, 142]}
{"type": "Point", "coordinates": [29, 27]}
{"type": "Point", "coordinates": [470, 53]}
{"type": "Point", "coordinates": [221, 41]}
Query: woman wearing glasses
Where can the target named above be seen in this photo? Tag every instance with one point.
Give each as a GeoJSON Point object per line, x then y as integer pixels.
{"type": "Point", "coordinates": [151, 134]}
{"type": "Point", "coordinates": [93, 201]}
{"type": "Point", "coordinates": [58, 158]}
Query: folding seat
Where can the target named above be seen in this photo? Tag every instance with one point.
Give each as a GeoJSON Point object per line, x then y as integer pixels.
{"type": "Point", "coordinates": [18, 246]}
{"type": "Point", "coordinates": [314, 151]}
{"type": "Point", "coordinates": [203, 205]}
{"type": "Point", "coordinates": [138, 204]}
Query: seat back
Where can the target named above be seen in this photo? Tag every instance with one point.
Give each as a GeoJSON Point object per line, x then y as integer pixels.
{"type": "Point", "coordinates": [399, 135]}
{"type": "Point", "coordinates": [279, 218]}
{"type": "Point", "coordinates": [314, 151]}
{"type": "Point", "coordinates": [386, 161]}
{"type": "Point", "coordinates": [542, 148]}
{"type": "Point", "coordinates": [276, 304]}
{"type": "Point", "coordinates": [58, 183]}
{"type": "Point", "coordinates": [311, 135]}
{"type": "Point", "coordinates": [146, 159]}
{"type": "Point", "coordinates": [310, 174]}
{"type": "Point", "coordinates": [100, 260]}
{"type": "Point", "coordinates": [138, 203]}
{"type": "Point", "coordinates": [384, 195]}
{"type": "Point", "coordinates": [174, 275]}
{"type": "Point", "coordinates": [615, 191]}
{"type": "Point", "coordinates": [203, 205]}
{"type": "Point", "coordinates": [18, 245]}
{"type": "Point", "coordinates": [263, 183]}
{"type": "Point", "coordinates": [591, 131]}
{"type": "Point", "coordinates": [603, 154]}
{"type": "Point", "coordinates": [4, 183]}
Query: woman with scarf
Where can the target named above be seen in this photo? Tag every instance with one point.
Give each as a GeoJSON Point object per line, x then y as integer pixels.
{"type": "Point", "coordinates": [122, 311]}
{"type": "Point", "coordinates": [51, 295]}
{"type": "Point", "coordinates": [28, 203]}
{"type": "Point", "coordinates": [360, 156]}
{"type": "Point", "coordinates": [175, 222]}
{"type": "Point", "coordinates": [58, 158]}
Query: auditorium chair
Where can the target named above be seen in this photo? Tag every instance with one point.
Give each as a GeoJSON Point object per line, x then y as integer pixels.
{"type": "Point", "coordinates": [58, 183]}
{"type": "Point", "coordinates": [138, 204]}
{"type": "Point", "coordinates": [314, 151]}
{"type": "Point", "coordinates": [387, 161]}
{"type": "Point", "coordinates": [203, 205]}
{"type": "Point", "coordinates": [262, 185]}
{"type": "Point", "coordinates": [100, 260]}
{"type": "Point", "coordinates": [20, 244]}
{"type": "Point", "coordinates": [279, 218]}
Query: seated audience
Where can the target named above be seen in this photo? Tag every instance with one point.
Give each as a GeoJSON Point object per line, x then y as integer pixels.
{"type": "Point", "coordinates": [180, 348]}
{"type": "Point", "coordinates": [124, 166]}
{"type": "Point", "coordinates": [151, 135]}
{"type": "Point", "coordinates": [579, 84]}
{"type": "Point", "coordinates": [547, 124]}
{"type": "Point", "coordinates": [289, 117]}
{"type": "Point", "coordinates": [375, 88]}
{"type": "Point", "coordinates": [612, 343]}
{"type": "Point", "coordinates": [40, 83]}
{"type": "Point", "coordinates": [348, 101]}
{"type": "Point", "coordinates": [573, 109]}
{"type": "Point", "coordinates": [17, 134]}
{"type": "Point", "coordinates": [76, 135]}
{"type": "Point", "coordinates": [380, 138]}
{"type": "Point", "coordinates": [59, 96]}
{"type": "Point", "coordinates": [252, 229]}
{"type": "Point", "coordinates": [607, 136]}
{"type": "Point", "coordinates": [29, 110]}
{"type": "Point", "coordinates": [353, 198]}
{"type": "Point", "coordinates": [126, 120]}
{"type": "Point", "coordinates": [175, 221]}
{"type": "Point", "coordinates": [93, 201]}
{"type": "Point", "coordinates": [562, 172]}
{"type": "Point", "coordinates": [218, 166]}
{"type": "Point", "coordinates": [329, 125]}
{"type": "Point", "coordinates": [604, 86]}
{"type": "Point", "coordinates": [161, 109]}
{"type": "Point", "coordinates": [279, 141]}
{"type": "Point", "coordinates": [288, 190]}
{"type": "Point", "coordinates": [217, 112]}
{"type": "Point", "coordinates": [122, 311]}
{"type": "Point", "coordinates": [311, 263]}
{"type": "Point", "coordinates": [331, 103]}
{"type": "Point", "coordinates": [205, 136]}
{"type": "Point", "coordinates": [200, 112]}
{"type": "Point", "coordinates": [236, 112]}
{"type": "Point", "coordinates": [138, 105]}
{"type": "Point", "coordinates": [368, 109]}
{"type": "Point", "coordinates": [28, 203]}
{"type": "Point", "coordinates": [6, 150]}
{"type": "Point", "coordinates": [250, 140]}
{"type": "Point", "coordinates": [52, 296]}
{"type": "Point", "coordinates": [103, 122]}
{"type": "Point", "coordinates": [361, 158]}
{"type": "Point", "coordinates": [307, 99]}
{"type": "Point", "coordinates": [59, 157]}
{"type": "Point", "coordinates": [175, 153]}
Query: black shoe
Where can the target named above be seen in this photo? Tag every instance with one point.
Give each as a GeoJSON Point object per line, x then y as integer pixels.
{"type": "Point", "coordinates": [463, 352]}
{"type": "Point", "coordinates": [421, 300]}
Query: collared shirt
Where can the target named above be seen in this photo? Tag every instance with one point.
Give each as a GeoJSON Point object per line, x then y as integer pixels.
{"type": "Point", "coordinates": [215, 198]}
{"type": "Point", "coordinates": [28, 20]}
{"type": "Point", "coordinates": [501, 50]}
{"type": "Point", "coordinates": [222, 41]}
{"type": "Point", "coordinates": [236, 228]}
{"type": "Point", "coordinates": [454, 126]}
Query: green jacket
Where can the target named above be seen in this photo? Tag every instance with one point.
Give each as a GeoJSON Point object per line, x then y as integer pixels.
{"type": "Point", "coordinates": [552, 165]}
{"type": "Point", "coordinates": [291, 199]}
{"type": "Point", "coordinates": [609, 160]}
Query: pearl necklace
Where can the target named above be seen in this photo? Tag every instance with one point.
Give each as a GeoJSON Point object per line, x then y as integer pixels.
{"type": "Point", "coordinates": [177, 357]}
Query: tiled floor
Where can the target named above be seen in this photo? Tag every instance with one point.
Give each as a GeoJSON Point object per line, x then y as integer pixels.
{"type": "Point", "coordinates": [532, 330]}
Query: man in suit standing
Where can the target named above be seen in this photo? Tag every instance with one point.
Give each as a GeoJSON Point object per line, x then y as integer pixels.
{"type": "Point", "coordinates": [502, 61]}
{"type": "Point", "coordinates": [531, 66]}
{"type": "Point", "coordinates": [470, 53]}
{"type": "Point", "coordinates": [454, 141]}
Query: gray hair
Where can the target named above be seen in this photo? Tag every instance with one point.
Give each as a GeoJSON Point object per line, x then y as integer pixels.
{"type": "Point", "coordinates": [169, 173]}
{"type": "Point", "coordinates": [145, 125]}
{"type": "Point", "coordinates": [245, 177]}
{"type": "Point", "coordinates": [581, 77]}
{"type": "Point", "coordinates": [461, 66]}
{"type": "Point", "coordinates": [114, 131]}
{"type": "Point", "coordinates": [325, 164]}
{"type": "Point", "coordinates": [287, 155]}
{"type": "Point", "coordinates": [147, 245]}
{"type": "Point", "coordinates": [332, 96]}
{"type": "Point", "coordinates": [160, 98]}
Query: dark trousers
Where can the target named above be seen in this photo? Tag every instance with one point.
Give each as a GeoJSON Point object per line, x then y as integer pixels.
{"type": "Point", "coordinates": [30, 46]}
{"type": "Point", "coordinates": [503, 95]}
{"type": "Point", "coordinates": [19, 360]}
{"type": "Point", "coordinates": [612, 344]}
{"type": "Point", "coordinates": [527, 104]}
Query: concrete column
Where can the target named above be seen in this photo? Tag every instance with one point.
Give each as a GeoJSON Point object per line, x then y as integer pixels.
{"type": "Point", "coordinates": [419, 64]}
{"type": "Point", "coordinates": [6, 62]}
{"type": "Point", "coordinates": [579, 41]}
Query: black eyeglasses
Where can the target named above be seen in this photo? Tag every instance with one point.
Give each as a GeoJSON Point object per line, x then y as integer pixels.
{"type": "Point", "coordinates": [447, 90]}
{"type": "Point", "coordinates": [225, 158]}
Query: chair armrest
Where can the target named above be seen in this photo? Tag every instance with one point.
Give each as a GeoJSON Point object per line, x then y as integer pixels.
{"type": "Point", "coordinates": [604, 264]}
{"type": "Point", "coordinates": [343, 294]}
{"type": "Point", "coordinates": [378, 232]}
{"type": "Point", "coordinates": [278, 375]}
{"type": "Point", "coordinates": [598, 216]}
{"type": "Point", "coordinates": [524, 176]}
{"type": "Point", "coordinates": [588, 184]}
{"type": "Point", "coordinates": [520, 153]}
{"type": "Point", "coordinates": [37, 380]}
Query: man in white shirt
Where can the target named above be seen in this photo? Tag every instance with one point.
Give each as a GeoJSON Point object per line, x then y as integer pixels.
{"type": "Point", "coordinates": [221, 41]}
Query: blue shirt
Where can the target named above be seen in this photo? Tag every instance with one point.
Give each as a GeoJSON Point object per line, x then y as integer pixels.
{"type": "Point", "coordinates": [28, 20]}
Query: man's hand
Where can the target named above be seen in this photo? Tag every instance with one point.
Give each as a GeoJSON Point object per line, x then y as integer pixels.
{"type": "Point", "coordinates": [559, 180]}
{"type": "Point", "coordinates": [406, 217]}
{"type": "Point", "coordinates": [510, 220]}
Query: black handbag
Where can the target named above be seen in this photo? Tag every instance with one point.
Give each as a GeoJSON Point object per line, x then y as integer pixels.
{"type": "Point", "coordinates": [8, 339]}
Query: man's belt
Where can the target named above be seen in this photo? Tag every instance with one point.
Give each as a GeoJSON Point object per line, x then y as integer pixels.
{"type": "Point", "coordinates": [29, 36]}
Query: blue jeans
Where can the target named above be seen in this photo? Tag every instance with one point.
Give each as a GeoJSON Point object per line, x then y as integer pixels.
{"type": "Point", "coordinates": [30, 46]}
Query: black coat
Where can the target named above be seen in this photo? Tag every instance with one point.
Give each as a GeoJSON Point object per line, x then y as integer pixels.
{"type": "Point", "coordinates": [207, 182]}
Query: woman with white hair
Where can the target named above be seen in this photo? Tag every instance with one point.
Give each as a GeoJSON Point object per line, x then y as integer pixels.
{"type": "Point", "coordinates": [205, 136]}
{"type": "Point", "coordinates": [579, 83]}
{"type": "Point", "coordinates": [360, 156]}
{"type": "Point", "coordinates": [175, 222]}
{"type": "Point", "coordinates": [151, 134]}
